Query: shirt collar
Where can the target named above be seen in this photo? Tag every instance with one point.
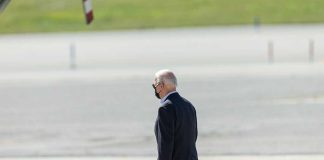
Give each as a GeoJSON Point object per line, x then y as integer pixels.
{"type": "Point", "coordinates": [166, 96]}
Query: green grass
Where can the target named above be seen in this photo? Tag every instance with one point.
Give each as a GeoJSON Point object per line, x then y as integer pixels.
{"type": "Point", "coordinates": [67, 15]}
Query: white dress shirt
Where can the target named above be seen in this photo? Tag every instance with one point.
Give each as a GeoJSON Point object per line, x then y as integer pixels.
{"type": "Point", "coordinates": [166, 96]}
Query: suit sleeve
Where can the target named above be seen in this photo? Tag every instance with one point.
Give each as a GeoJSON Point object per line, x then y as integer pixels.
{"type": "Point", "coordinates": [165, 138]}
{"type": "Point", "coordinates": [196, 125]}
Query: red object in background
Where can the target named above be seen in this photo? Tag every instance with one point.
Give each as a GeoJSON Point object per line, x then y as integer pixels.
{"type": "Point", "coordinates": [87, 7]}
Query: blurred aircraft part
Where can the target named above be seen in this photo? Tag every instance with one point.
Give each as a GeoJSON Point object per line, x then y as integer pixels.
{"type": "Point", "coordinates": [3, 4]}
{"type": "Point", "coordinates": [88, 11]}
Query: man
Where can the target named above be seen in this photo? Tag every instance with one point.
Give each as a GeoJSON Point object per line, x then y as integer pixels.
{"type": "Point", "coordinates": [176, 124]}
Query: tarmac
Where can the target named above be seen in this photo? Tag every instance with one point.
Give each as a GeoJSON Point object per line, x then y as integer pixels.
{"type": "Point", "coordinates": [236, 157]}
{"type": "Point", "coordinates": [105, 106]}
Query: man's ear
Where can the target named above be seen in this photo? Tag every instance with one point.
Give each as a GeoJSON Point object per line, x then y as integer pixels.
{"type": "Point", "coordinates": [162, 85]}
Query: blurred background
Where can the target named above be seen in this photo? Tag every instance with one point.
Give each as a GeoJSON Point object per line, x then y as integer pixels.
{"type": "Point", "coordinates": [254, 69]}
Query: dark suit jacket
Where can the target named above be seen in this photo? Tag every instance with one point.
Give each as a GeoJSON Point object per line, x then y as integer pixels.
{"type": "Point", "coordinates": [176, 129]}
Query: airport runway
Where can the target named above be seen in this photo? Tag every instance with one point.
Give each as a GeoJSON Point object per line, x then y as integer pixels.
{"type": "Point", "coordinates": [106, 107]}
{"type": "Point", "coordinates": [161, 47]}
{"type": "Point", "coordinates": [298, 157]}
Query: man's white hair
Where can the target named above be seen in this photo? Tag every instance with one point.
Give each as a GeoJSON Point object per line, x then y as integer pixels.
{"type": "Point", "coordinates": [166, 76]}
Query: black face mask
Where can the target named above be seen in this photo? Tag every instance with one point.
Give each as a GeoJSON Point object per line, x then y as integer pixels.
{"type": "Point", "coordinates": [156, 94]}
